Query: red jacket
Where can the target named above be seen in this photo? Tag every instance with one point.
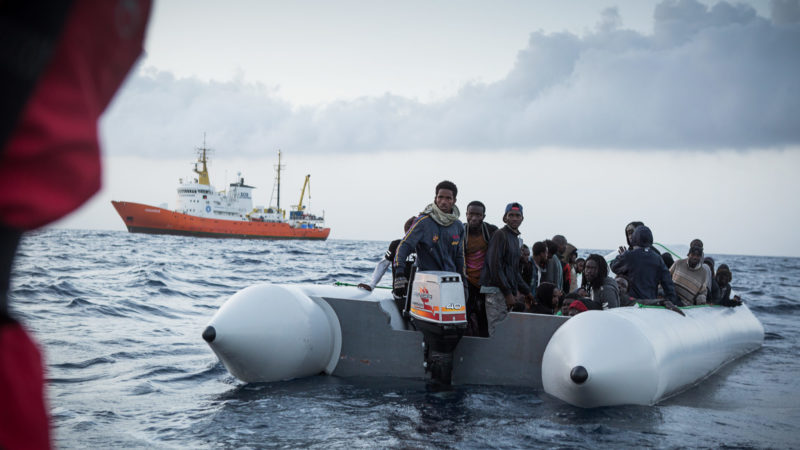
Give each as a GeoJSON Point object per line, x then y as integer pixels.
{"type": "Point", "coordinates": [66, 62]}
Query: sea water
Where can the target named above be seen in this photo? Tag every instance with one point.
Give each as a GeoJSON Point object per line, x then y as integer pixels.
{"type": "Point", "coordinates": [119, 317]}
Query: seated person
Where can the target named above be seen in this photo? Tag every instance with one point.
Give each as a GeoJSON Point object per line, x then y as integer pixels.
{"type": "Point", "coordinates": [689, 278]}
{"type": "Point", "coordinates": [624, 298]}
{"type": "Point", "coordinates": [601, 288]}
{"type": "Point", "coordinates": [545, 301]}
{"type": "Point", "coordinates": [713, 293]}
{"type": "Point", "coordinates": [724, 278]}
{"type": "Point", "coordinates": [526, 264]}
{"type": "Point", "coordinates": [563, 309]}
{"type": "Point", "coordinates": [668, 259]}
{"type": "Point", "coordinates": [576, 307]}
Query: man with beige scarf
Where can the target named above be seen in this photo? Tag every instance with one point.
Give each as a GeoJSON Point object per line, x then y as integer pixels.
{"type": "Point", "coordinates": [436, 237]}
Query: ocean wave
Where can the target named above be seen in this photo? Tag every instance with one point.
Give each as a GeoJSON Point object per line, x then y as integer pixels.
{"type": "Point", "coordinates": [144, 389]}
{"type": "Point", "coordinates": [85, 364]}
{"type": "Point", "coordinates": [175, 293]}
{"type": "Point", "coordinates": [210, 372]}
{"type": "Point", "coordinates": [75, 380]}
{"type": "Point", "coordinates": [139, 307]}
{"type": "Point", "coordinates": [770, 336]}
{"type": "Point", "coordinates": [153, 372]}
{"type": "Point", "coordinates": [245, 261]}
{"type": "Point", "coordinates": [776, 307]}
{"type": "Point", "coordinates": [79, 303]}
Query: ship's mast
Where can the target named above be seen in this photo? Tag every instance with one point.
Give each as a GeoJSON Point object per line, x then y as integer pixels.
{"type": "Point", "coordinates": [279, 179]}
{"type": "Point", "coordinates": [277, 184]}
{"type": "Point", "coordinates": [202, 158]}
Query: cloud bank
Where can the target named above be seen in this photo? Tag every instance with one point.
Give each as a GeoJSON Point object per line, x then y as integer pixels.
{"type": "Point", "coordinates": [706, 78]}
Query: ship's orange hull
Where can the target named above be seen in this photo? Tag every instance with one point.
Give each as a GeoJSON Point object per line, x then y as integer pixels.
{"type": "Point", "coordinates": [141, 218]}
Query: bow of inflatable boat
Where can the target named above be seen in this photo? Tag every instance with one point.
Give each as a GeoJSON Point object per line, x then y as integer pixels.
{"type": "Point", "coordinates": [275, 332]}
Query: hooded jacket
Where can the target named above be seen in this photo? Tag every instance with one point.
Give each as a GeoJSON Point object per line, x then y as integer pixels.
{"type": "Point", "coordinates": [554, 272]}
{"type": "Point", "coordinates": [608, 294]}
{"type": "Point", "coordinates": [644, 268]}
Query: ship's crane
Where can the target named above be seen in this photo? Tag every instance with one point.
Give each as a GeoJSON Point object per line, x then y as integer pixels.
{"type": "Point", "coordinates": [303, 192]}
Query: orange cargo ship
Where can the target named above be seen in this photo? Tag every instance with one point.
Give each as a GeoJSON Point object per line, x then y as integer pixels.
{"type": "Point", "coordinates": [203, 212]}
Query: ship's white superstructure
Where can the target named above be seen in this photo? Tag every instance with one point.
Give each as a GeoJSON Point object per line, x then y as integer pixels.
{"type": "Point", "coordinates": [202, 200]}
{"type": "Point", "coordinates": [198, 198]}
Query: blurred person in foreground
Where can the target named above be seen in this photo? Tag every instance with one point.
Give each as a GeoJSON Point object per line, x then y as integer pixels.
{"type": "Point", "coordinates": [62, 63]}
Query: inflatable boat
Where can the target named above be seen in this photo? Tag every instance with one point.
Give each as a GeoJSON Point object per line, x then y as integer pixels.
{"type": "Point", "coordinates": [273, 332]}
{"type": "Point", "coordinates": [634, 355]}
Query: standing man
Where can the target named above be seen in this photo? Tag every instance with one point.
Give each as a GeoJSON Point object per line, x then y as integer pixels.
{"type": "Point", "coordinates": [539, 258]}
{"type": "Point", "coordinates": [564, 250]}
{"type": "Point", "coordinates": [436, 237]}
{"type": "Point", "coordinates": [555, 271]}
{"type": "Point", "coordinates": [476, 243]}
{"type": "Point", "coordinates": [580, 264]}
{"type": "Point", "coordinates": [501, 279]}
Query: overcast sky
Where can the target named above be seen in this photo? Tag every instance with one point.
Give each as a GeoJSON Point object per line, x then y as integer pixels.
{"type": "Point", "coordinates": [682, 114]}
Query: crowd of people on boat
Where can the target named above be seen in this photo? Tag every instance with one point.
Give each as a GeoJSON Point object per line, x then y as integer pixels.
{"type": "Point", "coordinates": [501, 274]}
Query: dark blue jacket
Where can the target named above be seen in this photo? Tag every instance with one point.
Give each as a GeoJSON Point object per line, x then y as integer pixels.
{"type": "Point", "coordinates": [644, 268]}
{"type": "Point", "coordinates": [437, 247]}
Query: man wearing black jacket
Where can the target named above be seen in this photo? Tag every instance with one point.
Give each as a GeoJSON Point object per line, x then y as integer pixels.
{"type": "Point", "coordinates": [501, 279]}
{"type": "Point", "coordinates": [644, 268]}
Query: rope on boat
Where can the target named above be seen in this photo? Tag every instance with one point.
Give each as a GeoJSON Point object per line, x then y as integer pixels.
{"type": "Point", "coordinates": [339, 283]}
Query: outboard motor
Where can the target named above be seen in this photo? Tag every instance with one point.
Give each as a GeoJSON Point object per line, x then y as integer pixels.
{"type": "Point", "coordinates": [437, 308]}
